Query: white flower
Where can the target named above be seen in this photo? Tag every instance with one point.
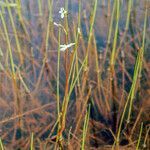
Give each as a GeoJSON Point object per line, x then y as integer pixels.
{"type": "Point", "coordinates": [57, 24]}
{"type": "Point", "coordinates": [79, 31]}
{"type": "Point", "coordinates": [64, 46]}
{"type": "Point", "coordinates": [144, 145]}
{"type": "Point", "coordinates": [62, 12]}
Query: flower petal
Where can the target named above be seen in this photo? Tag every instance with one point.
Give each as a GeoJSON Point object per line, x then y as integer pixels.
{"type": "Point", "coordinates": [62, 15]}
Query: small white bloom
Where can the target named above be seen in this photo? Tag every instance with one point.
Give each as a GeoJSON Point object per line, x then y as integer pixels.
{"type": "Point", "coordinates": [144, 145]}
{"type": "Point", "coordinates": [64, 46]}
{"type": "Point", "coordinates": [62, 12]}
{"type": "Point", "coordinates": [57, 24]}
{"type": "Point", "coordinates": [79, 31]}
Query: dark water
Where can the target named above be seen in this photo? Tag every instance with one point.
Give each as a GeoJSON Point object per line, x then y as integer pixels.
{"type": "Point", "coordinates": [36, 25]}
{"type": "Point", "coordinates": [30, 10]}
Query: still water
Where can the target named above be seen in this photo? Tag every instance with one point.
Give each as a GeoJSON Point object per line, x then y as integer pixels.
{"type": "Point", "coordinates": [32, 37]}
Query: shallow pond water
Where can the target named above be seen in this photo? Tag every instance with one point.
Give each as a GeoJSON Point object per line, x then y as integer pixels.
{"type": "Point", "coordinates": [34, 94]}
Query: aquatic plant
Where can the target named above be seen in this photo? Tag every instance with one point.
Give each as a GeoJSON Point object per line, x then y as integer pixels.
{"type": "Point", "coordinates": [74, 74]}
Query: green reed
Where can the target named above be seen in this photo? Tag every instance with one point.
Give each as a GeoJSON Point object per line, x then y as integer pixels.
{"type": "Point", "coordinates": [140, 134]}
{"type": "Point", "coordinates": [32, 142]}
{"type": "Point", "coordinates": [112, 59]}
{"type": "Point", "coordinates": [137, 72]}
{"type": "Point", "coordinates": [91, 30]}
{"type": "Point", "coordinates": [58, 75]}
{"type": "Point", "coordinates": [138, 67]}
{"type": "Point", "coordinates": [15, 33]}
{"type": "Point", "coordinates": [75, 67]}
{"type": "Point", "coordinates": [40, 7]}
{"type": "Point", "coordinates": [8, 44]}
{"type": "Point", "coordinates": [48, 29]}
{"type": "Point", "coordinates": [1, 145]}
{"type": "Point", "coordinates": [110, 29]}
{"type": "Point", "coordinates": [21, 19]}
{"type": "Point", "coordinates": [85, 128]}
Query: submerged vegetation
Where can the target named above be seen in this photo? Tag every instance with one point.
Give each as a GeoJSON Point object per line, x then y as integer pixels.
{"type": "Point", "coordinates": [74, 74]}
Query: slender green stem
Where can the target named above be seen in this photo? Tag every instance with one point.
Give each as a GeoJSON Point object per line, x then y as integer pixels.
{"type": "Point", "coordinates": [1, 145]}
{"type": "Point", "coordinates": [58, 68]}
{"type": "Point", "coordinates": [137, 69]}
{"type": "Point", "coordinates": [15, 33]}
{"type": "Point", "coordinates": [18, 2]}
{"type": "Point", "coordinates": [85, 128]}
{"type": "Point", "coordinates": [91, 31]}
{"type": "Point", "coordinates": [40, 7]}
{"type": "Point", "coordinates": [32, 142]}
{"type": "Point", "coordinates": [77, 38]}
{"type": "Point", "coordinates": [141, 129]}
{"type": "Point", "coordinates": [110, 29]}
{"type": "Point", "coordinates": [130, 3]}
{"type": "Point", "coordinates": [138, 66]}
{"type": "Point", "coordinates": [112, 59]}
{"type": "Point", "coordinates": [8, 44]}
